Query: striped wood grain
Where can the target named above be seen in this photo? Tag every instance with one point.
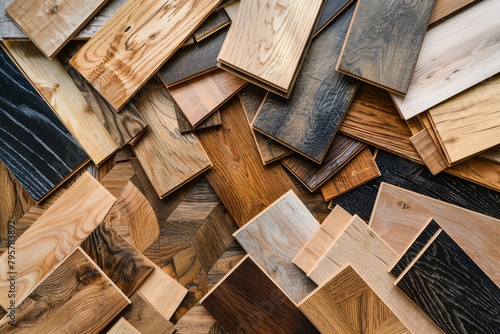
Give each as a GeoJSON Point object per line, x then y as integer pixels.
{"type": "Point", "coordinates": [429, 151]}
{"type": "Point", "coordinates": [331, 10]}
{"type": "Point", "coordinates": [122, 326]}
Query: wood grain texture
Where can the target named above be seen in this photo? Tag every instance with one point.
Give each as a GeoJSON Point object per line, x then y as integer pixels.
{"type": "Point", "coordinates": [197, 321]}
{"type": "Point", "coordinates": [359, 246]}
{"type": "Point", "coordinates": [216, 21]}
{"type": "Point", "coordinates": [76, 291]}
{"type": "Point", "coordinates": [168, 158]}
{"type": "Point", "coordinates": [493, 154]}
{"type": "Point", "coordinates": [361, 169]}
{"type": "Point", "coordinates": [399, 214]}
{"type": "Point", "coordinates": [54, 235]}
{"type": "Point", "coordinates": [331, 10]}
{"type": "Point", "coordinates": [451, 289]}
{"type": "Point", "coordinates": [38, 161]}
{"type": "Point", "coordinates": [131, 46]}
{"type": "Point", "coordinates": [447, 66]}
{"type": "Point", "coordinates": [478, 170]}
{"type": "Point", "coordinates": [429, 152]}
{"type": "Point", "coordinates": [246, 294]}
{"type": "Point", "coordinates": [274, 237]}
{"type": "Point", "coordinates": [122, 326]}
{"type": "Point", "coordinates": [342, 150]}
{"type": "Point", "coordinates": [232, 9]}
{"type": "Point", "coordinates": [199, 97]}
{"type": "Point", "coordinates": [446, 8]}
{"type": "Point", "coordinates": [309, 119]}
{"type": "Point", "coordinates": [209, 122]}
{"type": "Point", "coordinates": [347, 304]}
{"type": "Point", "coordinates": [117, 178]}
{"type": "Point", "coordinates": [244, 186]}
{"type": "Point", "coordinates": [51, 25]}
{"type": "Point", "coordinates": [265, 44]}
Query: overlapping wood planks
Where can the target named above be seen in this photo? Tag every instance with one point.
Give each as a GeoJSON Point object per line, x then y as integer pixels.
{"type": "Point", "coordinates": [216, 21]}
{"type": "Point", "coordinates": [331, 10]}
{"type": "Point", "coordinates": [443, 9]}
{"type": "Point", "coordinates": [122, 326]}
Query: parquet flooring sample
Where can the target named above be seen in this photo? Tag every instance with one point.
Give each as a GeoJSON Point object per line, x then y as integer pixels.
{"type": "Point", "coordinates": [184, 125]}
{"type": "Point", "coordinates": [39, 161]}
{"type": "Point", "coordinates": [54, 235]}
{"type": "Point", "coordinates": [216, 21]}
{"type": "Point", "coordinates": [451, 288]}
{"type": "Point", "coordinates": [265, 45]}
{"type": "Point", "coordinates": [145, 318]}
{"type": "Point", "coordinates": [169, 158]}
{"type": "Point", "coordinates": [331, 10]}
{"type": "Point", "coordinates": [360, 247]}
{"type": "Point", "coordinates": [399, 214]}
{"type": "Point", "coordinates": [274, 237]}
{"type": "Point", "coordinates": [309, 119]}
{"type": "Point", "coordinates": [51, 25]}
{"type": "Point", "coordinates": [342, 150]}
{"type": "Point", "coordinates": [245, 294]}
{"type": "Point", "coordinates": [447, 66]}
{"type": "Point", "coordinates": [243, 184]}
{"type": "Point", "coordinates": [199, 97]}
{"type": "Point", "coordinates": [77, 297]}
{"type": "Point", "coordinates": [446, 8]}
{"type": "Point", "coordinates": [122, 326]}
{"type": "Point", "coordinates": [347, 304]}
{"type": "Point", "coordinates": [52, 81]}
{"type": "Point", "coordinates": [385, 54]}
{"type": "Point", "coordinates": [135, 43]}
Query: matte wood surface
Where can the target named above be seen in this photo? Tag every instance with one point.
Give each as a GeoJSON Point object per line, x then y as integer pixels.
{"type": "Point", "coordinates": [135, 43]}
{"type": "Point", "coordinates": [264, 43]}
{"type": "Point", "coordinates": [40, 162]}
{"type": "Point", "coordinates": [331, 10]}
{"type": "Point", "coordinates": [274, 237]}
{"type": "Point", "coordinates": [347, 304]}
{"type": "Point", "coordinates": [243, 184]}
{"type": "Point", "coordinates": [447, 66]}
{"type": "Point", "coordinates": [169, 158]}
{"type": "Point", "coordinates": [184, 126]}
{"type": "Point", "coordinates": [360, 247]}
{"type": "Point", "coordinates": [384, 41]}
{"type": "Point", "coordinates": [122, 326]}
{"type": "Point", "coordinates": [361, 169]}
{"type": "Point", "coordinates": [399, 214]}
{"type": "Point", "coordinates": [484, 172]}
{"type": "Point", "coordinates": [342, 150]}
{"type": "Point", "coordinates": [247, 293]}
{"type": "Point", "coordinates": [57, 88]}
{"type": "Point", "coordinates": [429, 151]}
{"type": "Point", "coordinates": [451, 289]}
{"type": "Point", "coordinates": [77, 297]}
{"type": "Point", "coordinates": [50, 25]}
{"type": "Point", "coordinates": [309, 119]}
{"type": "Point", "coordinates": [216, 21]}
{"type": "Point", "coordinates": [198, 321]}
{"type": "Point", "coordinates": [493, 154]}
{"type": "Point", "coordinates": [445, 8]}
{"type": "Point", "coordinates": [199, 97]}
{"type": "Point", "coordinates": [54, 235]}
{"type": "Point", "coordinates": [232, 9]}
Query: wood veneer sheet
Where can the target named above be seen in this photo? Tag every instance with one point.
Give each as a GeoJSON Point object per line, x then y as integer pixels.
{"type": "Point", "coordinates": [267, 41]}
{"type": "Point", "coordinates": [135, 43]}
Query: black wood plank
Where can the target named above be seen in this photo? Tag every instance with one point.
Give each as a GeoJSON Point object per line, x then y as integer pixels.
{"type": "Point", "coordinates": [35, 145]}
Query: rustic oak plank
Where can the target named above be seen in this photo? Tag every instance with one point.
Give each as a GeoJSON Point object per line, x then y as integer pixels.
{"type": "Point", "coordinates": [213, 23]}
{"type": "Point", "coordinates": [185, 127]}
{"type": "Point", "coordinates": [331, 10]}
{"type": "Point", "coordinates": [118, 69]}
{"type": "Point", "coordinates": [309, 119]}
{"type": "Point", "coordinates": [145, 318]}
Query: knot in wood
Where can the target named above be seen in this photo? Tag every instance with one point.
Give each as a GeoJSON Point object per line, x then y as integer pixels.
{"type": "Point", "coordinates": [51, 9]}
{"type": "Point", "coordinates": [402, 205]}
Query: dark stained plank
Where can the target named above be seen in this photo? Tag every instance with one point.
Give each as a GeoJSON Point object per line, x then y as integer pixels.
{"type": "Point", "coordinates": [36, 147]}
{"type": "Point", "coordinates": [247, 301]}
{"type": "Point", "coordinates": [451, 289]}
{"type": "Point", "coordinates": [342, 150]}
{"type": "Point", "coordinates": [184, 125]}
{"type": "Point", "coordinates": [216, 21]}
{"type": "Point", "coordinates": [384, 41]}
{"type": "Point", "coordinates": [331, 10]}
{"type": "Point", "coordinates": [309, 119]}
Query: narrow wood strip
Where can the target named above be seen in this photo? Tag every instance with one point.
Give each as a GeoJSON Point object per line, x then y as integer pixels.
{"type": "Point", "coordinates": [216, 21]}
{"type": "Point", "coordinates": [209, 122]}
{"type": "Point", "coordinates": [429, 152]}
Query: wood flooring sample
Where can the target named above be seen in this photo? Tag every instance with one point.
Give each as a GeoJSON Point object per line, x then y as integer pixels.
{"type": "Point", "coordinates": [246, 294]}
{"type": "Point", "coordinates": [77, 297]}
{"type": "Point", "coordinates": [448, 65]}
{"type": "Point", "coordinates": [135, 43]}
{"type": "Point", "coordinates": [50, 25]}
{"type": "Point", "coordinates": [347, 304]}
{"type": "Point", "coordinates": [266, 43]}
{"type": "Point", "coordinates": [429, 151]}
{"type": "Point", "coordinates": [445, 8]}
{"type": "Point", "coordinates": [216, 21]}
{"type": "Point", "coordinates": [122, 326]}
{"type": "Point", "coordinates": [309, 119]}
{"type": "Point", "coordinates": [184, 126]}
{"type": "Point", "coordinates": [331, 10]}
{"type": "Point", "coordinates": [169, 158]}
{"type": "Point", "coordinates": [451, 288]}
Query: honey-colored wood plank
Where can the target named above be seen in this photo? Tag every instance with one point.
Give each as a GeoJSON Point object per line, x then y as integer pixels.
{"type": "Point", "coordinates": [145, 318]}
{"type": "Point", "coordinates": [122, 326]}
{"type": "Point", "coordinates": [445, 8]}
{"type": "Point", "coordinates": [478, 170]}
{"type": "Point", "coordinates": [216, 21]}
{"type": "Point", "coordinates": [429, 152]}
{"type": "Point", "coordinates": [140, 37]}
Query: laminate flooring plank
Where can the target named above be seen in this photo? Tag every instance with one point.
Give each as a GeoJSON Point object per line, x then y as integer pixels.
{"type": "Point", "coordinates": [57, 88]}
{"type": "Point", "coordinates": [269, 53]}
{"type": "Point", "coordinates": [40, 162]}
{"type": "Point", "coordinates": [330, 11]}
{"type": "Point", "coordinates": [145, 318]}
{"type": "Point", "coordinates": [383, 42]}
{"type": "Point", "coordinates": [451, 288]}
{"type": "Point", "coordinates": [216, 21]}
{"type": "Point", "coordinates": [246, 294]}
{"type": "Point", "coordinates": [307, 121]}
{"type": "Point", "coordinates": [342, 150]}
{"type": "Point", "coordinates": [478, 170]}
{"type": "Point", "coordinates": [51, 25]}
{"type": "Point", "coordinates": [242, 183]}
{"type": "Point", "coordinates": [447, 66]}
{"type": "Point", "coordinates": [168, 158]}
{"type": "Point", "coordinates": [199, 97]}
{"type": "Point", "coordinates": [429, 152]}
{"type": "Point", "coordinates": [443, 9]}
{"type": "Point", "coordinates": [399, 215]}
{"type": "Point", "coordinates": [274, 237]}
{"type": "Point", "coordinates": [135, 43]}
{"type": "Point", "coordinates": [122, 326]}
{"type": "Point", "coordinates": [209, 122]}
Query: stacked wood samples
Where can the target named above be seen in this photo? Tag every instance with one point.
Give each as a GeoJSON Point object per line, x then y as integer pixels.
{"type": "Point", "coordinates": [185, 127]}
{"type": "Point", "coordinates": [266, 46]}
{"type": "Point", "coordinates": [216, 21]}
{"type": "Point", "coordinates": [331, 9]}
{"type": "Point", "coordinates": [309, 119]}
